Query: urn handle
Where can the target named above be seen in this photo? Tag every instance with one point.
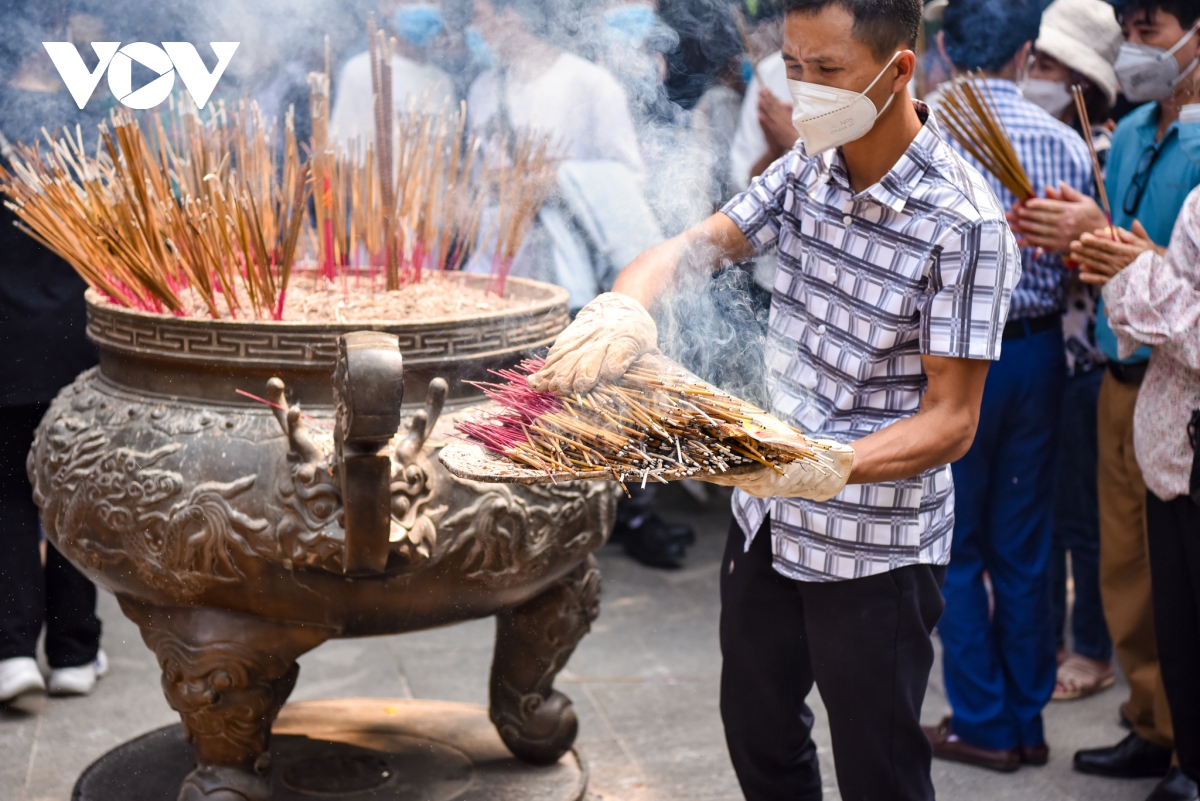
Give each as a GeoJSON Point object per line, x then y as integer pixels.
{"type": "Point", "coordinates": [368, 387]}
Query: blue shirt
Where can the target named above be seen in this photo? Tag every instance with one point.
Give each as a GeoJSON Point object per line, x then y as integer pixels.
{"type": "Point", "coordinates": [1050, 152]}
{"type": "Point", "coordinates": [1171, 177]}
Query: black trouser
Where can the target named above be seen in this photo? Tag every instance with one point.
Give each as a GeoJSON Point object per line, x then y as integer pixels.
{"type": "Point", "coordinates": [57, 595]}
{"type": "Point", "coordinates": [866, 644]}
{"type": "Point", "coordinates": [1173, 530]}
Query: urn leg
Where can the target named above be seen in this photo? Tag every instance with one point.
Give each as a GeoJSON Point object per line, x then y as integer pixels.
{"type": "Point", "coordinates": [227, 675]}
{"type": "Point", "coordinates": [533, 643]}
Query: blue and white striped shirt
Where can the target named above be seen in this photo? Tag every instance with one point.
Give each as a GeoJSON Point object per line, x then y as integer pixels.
{"type": "Point", "coordinates": [920, 263]}
{"type": "Point", "coordinates": [1051, 152]}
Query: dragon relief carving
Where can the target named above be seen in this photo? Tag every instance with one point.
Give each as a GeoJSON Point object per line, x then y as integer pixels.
{"type": "Point", "coordinates": [508, 530]}
{"type": "Point", "coordinates": [107, 504]}
{"type": "Point", "coordinates": [111, 492]}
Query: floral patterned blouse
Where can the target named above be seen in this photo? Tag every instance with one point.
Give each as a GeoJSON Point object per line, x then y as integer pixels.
{"type": "Point", "coordinates": [1156, 301]}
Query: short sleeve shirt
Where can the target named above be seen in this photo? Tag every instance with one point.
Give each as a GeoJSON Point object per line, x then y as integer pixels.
{"type": "Point", "coordinates": [922, 262]}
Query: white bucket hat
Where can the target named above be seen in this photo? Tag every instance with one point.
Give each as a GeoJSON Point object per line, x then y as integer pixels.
{"type": "Point", "coordinates": [1083, 35]}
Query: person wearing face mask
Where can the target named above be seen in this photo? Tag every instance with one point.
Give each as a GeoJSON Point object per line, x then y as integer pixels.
{"type": "Point", "coordinates": [1153, 297]}
{"type": "Point", "coordinates": [1153, 164]}
{"type": "Point", "coordinates": [896, 268]}
{"type": "Point", "coordinates": [1000, 669]}
{"type": "Point", "coordinates": [632, 41]}
{"type": "Point", "coordinates": [1076, 46]}
{"type": "Point", "coordinates": [417, 25]}
{"type": "Point", "coordinates": [530, 82]}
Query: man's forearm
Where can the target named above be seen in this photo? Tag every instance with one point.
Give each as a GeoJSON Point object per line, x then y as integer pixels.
{"type": "Point", "coordinates": [706, 247]}
{"type": "Point", "coordinates": [940, 432]}
{"type": "Point", "coordinates": [652, 274]}
{"type": "Point", "coordinates": [910, 447]}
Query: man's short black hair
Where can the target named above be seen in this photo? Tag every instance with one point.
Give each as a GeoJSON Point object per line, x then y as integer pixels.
{"type": "Point", "coordinates": [879, 24]}
{"type": "Point", "coordinates": [1186, 11]}
{"type": "Point", "coordinates": [986, 34]}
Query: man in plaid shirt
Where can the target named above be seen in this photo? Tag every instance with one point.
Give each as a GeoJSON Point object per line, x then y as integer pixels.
{"type": "Point", "coordinates": [896, 269]}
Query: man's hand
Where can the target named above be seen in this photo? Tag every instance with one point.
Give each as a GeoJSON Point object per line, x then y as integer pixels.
{"type": "Point", "coordinates": [800, 479]}
{"type": "Point", "coordinates": [612, 331]}
{"type": "Point", "coordinates": [1100, 256]}
{"type": "Point", "coordinates": [1052, 222]}
{"type": "Point", "coordinates": [607, 336]}
{"type": "Point", "coordinates": [775, 117]}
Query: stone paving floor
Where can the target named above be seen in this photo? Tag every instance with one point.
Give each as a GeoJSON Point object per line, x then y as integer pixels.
{"type": "Point", "coordinates": [644, 683]}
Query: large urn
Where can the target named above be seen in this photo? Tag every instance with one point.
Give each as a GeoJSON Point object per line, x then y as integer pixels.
{"type": "Point", "coordinates": [239, 534]}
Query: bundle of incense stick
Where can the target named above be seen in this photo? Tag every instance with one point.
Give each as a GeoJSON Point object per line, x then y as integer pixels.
{"type": "Point", "coordinates": [149, 217]}
{"type": "Point", "coordinates": [658, 422]}
{"type": "Point", "coordinates": [1085, 125]}
{"type": "Point", "coordinates": [968, 111]}
{"type": "Point", "coordinates": [201, 214]}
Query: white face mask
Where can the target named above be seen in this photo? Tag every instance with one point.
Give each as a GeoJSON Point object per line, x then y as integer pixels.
{"type": "Point", "coordinates": [1049, 95]}
{"type": "Point", "coordinates": [1150, 73]}
{"type": "Point", "coordinates": [827, 117]}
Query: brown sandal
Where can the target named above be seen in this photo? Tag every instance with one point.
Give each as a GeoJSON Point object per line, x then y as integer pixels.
{"type": "Point", "coordinates": [1080, 677]}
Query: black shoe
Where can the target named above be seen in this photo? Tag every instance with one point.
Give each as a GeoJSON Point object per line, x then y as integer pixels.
{"type": "Point", "coordinates": [655, 543]}
{"type": "Point", "coordinates": [1175, 786]}
{"type": "Point", "coordinates": [1132, 758]}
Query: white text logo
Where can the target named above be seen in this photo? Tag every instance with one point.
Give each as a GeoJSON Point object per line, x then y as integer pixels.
{"type": "Point", "coordinates": [172, 57]}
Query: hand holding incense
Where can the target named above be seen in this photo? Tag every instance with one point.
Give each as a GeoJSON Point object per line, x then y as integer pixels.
{"type": "Point", "coordinates": [657, 422]}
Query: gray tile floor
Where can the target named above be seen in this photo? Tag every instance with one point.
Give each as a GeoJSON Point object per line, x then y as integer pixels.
{"type": "Point", "coordinates": [644, 684]}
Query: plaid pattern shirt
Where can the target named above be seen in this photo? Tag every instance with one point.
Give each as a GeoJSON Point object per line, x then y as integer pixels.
{"type": "Point", "coordinates": [922, 262]}
{"type": "Point", "coordinates": [1050, 152]}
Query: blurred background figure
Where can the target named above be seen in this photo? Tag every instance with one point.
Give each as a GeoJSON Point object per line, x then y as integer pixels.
{"type": "Point", "coordinates": [1153, 162]}
{"type": "Point", "coordinates": [685, 153]}
{"type": "Point", "coordinates": [1000, 668]}
{"type": "Point", "coordinates": [764, 131]}
{"type": "Point", "coordinates": [1076, 46]}
{"type": "Point", "coordinates": [417, 27]}
{"type": "Point", "coordinates": [1153, 298]}
{"type": "Point", "coordinates": [530, 81]}
{"type": "Point", "coordinates": [632, 42]}
{"type": "Point", "coordinates": [42, 348]}
{"type": "Point", "coordinates": [599, 218]}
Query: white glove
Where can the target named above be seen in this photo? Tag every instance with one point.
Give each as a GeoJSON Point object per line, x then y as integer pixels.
{"type": "Point", "coordinates": [607, 336]}
{"type": "Point", "coordinates": [807, 480]}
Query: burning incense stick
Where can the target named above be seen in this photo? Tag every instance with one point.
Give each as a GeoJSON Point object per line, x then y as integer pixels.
{"type": "Point", "coordinates": [970, 116]}
{"type": "Point", "coordinates": [657, 422]}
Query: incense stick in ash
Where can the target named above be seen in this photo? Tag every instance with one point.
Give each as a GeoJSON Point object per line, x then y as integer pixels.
{"type": "Point", "coordinates": [151, 219]}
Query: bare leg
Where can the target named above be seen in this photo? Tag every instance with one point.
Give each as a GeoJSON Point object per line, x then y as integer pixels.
{"type": "Point", "coordinates": [227, 675]}
{"type": "Point", "coordinates": [533, 643]}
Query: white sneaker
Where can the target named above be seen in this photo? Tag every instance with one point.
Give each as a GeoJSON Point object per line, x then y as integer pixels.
{"type": "Point", "coordinates": [79, 680]}
{"type": "Point", "coordinates": [19, 676]}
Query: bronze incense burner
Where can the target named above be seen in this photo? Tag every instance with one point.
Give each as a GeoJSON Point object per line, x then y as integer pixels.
{"type": "Point", "coordinates": [239, 535]}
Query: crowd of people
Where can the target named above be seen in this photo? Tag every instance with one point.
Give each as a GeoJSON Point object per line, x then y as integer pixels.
{"type": "Point", "coordinates": [1009, 387]}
